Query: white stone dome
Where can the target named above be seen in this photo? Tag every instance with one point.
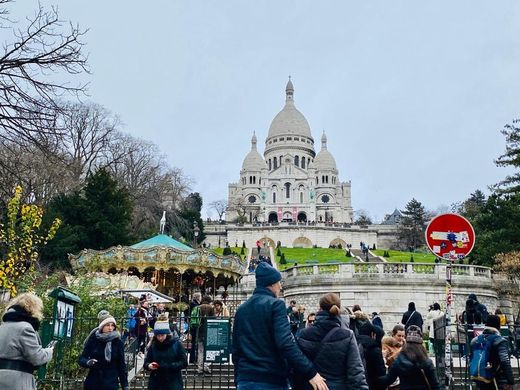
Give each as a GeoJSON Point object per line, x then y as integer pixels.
{"type": "Point", "coordinates": [289, 121]}
{"type": "Point", "coordinates": [253, 160]}
{"type": "Point", "coordinates": [324, 159]}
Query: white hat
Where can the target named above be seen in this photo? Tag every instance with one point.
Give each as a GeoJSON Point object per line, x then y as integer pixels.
{"type": "Point", "coordinates": [107, 320]}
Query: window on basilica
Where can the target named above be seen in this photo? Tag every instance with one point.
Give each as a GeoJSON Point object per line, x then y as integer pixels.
{"type": "Point", "coordinates": [251, 199]}
{"type": "Point", "coordinates": [325, 199]}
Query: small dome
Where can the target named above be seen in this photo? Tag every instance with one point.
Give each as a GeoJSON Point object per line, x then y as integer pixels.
{"type": "Point", "coordinates": [324, 159]}
{"type": "Point", "coordinates": [289, 120]}
{"type": "Point", "coordinates": [253, 161]}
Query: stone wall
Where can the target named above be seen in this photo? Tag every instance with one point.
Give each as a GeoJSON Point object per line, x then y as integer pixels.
{"type": "Point", "coordinates": [387, 288]}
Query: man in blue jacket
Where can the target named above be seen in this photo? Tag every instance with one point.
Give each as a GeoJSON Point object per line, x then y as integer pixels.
{"type": "Point", "coordinates": [263, 347]}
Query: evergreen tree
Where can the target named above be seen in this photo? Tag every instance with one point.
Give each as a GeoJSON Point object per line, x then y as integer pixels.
{"type": "Point", "coordinates": [412, 225]}
{"type": "Point", "coordinates": [97, 217]}
{"type": "Point", "coordinates": [472, 207]}
{"type": "Point", "coordinates": [511, 158]}
{"type": "Point", "coordinates": [191, 212]}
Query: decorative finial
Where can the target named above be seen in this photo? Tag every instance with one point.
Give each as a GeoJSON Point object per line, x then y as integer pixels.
{"type": "Point", "coordinates": [253, 141]}
{"type": "Point", "coordinates": [324, 141]}
{"type": "Point", "coordinates": [162, 223]}
{"type": "Point", "coordinates": [289, 90]}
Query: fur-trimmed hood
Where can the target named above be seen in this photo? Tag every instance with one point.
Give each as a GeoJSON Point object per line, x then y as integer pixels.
{"type": "Point", "coordinates": [359, 315]}
{"type": "Point", "coordinates": [390, 342]}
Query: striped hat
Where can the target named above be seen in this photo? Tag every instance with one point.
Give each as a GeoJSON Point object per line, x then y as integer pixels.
{"type": "Point", "coordinates": [161, 327]}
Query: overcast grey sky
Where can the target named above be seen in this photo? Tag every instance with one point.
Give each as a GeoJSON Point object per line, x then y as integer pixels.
{"type": "Point", "coordinates": [411, 94]}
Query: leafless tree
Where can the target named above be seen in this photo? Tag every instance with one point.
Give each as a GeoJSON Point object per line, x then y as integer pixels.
{"type": "Point", "coordinates": [37, 51]}
{"type": "Point", "coordinates": [88, 130]}
{"type": "Point", "coordinates": [154, 186]}
{"type": "Point", "coordinates": [220, 207]}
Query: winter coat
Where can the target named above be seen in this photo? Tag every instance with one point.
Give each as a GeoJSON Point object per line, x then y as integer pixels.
{"type": "Point", "coordinates": [20, 341]}
{"type": "Point", "coordinates": [171, 357]}
{"type": "Point", "coordinates": [338, 360]}
{"type": "Point", "coordinates": [499, 358]}
{"type": "Point", "coordinates": [357, 320]}
{"type": "Point", "coordinates": [412, 318]}
{"type": "Point", "coordinates": [206, 310]}
{"type": "Point", "coordinates": [410, 374]}
{"type": "Point", "coordinates": [432, 316]}
{"type": "Point", "coordinates": [391, 350]}
{"type": "Point", "coordinates": [104, 375]}
{"type": "Point", "coordinates": [142, 317]}
{"type": "Point", "coordinates": [374, 363]}
{"type": "Point", "coordinates": [263, 346]}
{"type": "Point", "coordinates": [377, 321]}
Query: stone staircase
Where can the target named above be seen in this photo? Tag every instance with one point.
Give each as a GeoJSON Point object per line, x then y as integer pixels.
{"type": "Point", "coordinates": [366, 258]}
{"type": "Point", "coordinates": [221, 377]}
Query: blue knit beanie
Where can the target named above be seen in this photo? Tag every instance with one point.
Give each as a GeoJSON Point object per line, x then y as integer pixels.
{"type": "Point", "coordinates": [266, 275]}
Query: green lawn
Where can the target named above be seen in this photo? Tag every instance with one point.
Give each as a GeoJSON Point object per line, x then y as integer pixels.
{"type": "Point", "coordinates": [399, 257]}
{"type": "Point", "coordinates": [309, 256]}
{"type": "Point", "coordinates": [236, 251]}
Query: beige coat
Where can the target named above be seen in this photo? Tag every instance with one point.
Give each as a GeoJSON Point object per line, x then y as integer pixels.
{"type": "Point", "coordinates": [19, 341]}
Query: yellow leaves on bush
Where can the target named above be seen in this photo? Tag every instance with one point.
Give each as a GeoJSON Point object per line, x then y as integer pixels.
{"type": "Point", "coordinates": [508, 263]}
{"type": "Point", "coordinates": [21, 237]}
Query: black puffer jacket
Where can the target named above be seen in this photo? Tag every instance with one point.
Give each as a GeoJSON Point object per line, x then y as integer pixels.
{"type": "Point", "coordinates": [499, 358]}
{"type": "Point", "coordinates": [375, 365]}
{"type": "Point", "coordinates": [338, 360]}
{"type": "Point", "coordinates": [410, 375]}
{"type": "Point", "coordinates": [171, 357]}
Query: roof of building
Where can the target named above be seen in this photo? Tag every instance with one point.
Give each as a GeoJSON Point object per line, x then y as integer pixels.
{"type": "Point", "coordinates": [324, 159]}
{"type": "Point", "coordinates": [161, 240]}
{"type": "Point", "coordinates": [253, 160]}
{"type": "Point", "coordinates": [289, 120]}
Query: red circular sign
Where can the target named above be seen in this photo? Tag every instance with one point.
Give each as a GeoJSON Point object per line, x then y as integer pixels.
{"type": "Point", "coordinates": [450, 236]}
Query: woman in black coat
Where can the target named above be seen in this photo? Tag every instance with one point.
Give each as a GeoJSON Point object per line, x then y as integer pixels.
{"type": "Point", "coordinates": [104, 356]}
{"type": "Point", "coordinates": [369, 342]}
{"type": "Point", "coordinates": [332, 349]}
{"type": "Point", "coordinates": [165, 358]}
{"type": "Point", "coordinates": [413, 366]}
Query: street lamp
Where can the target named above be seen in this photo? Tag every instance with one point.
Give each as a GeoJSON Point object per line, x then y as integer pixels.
{"type": "Point", "coordinates": [196, 232]}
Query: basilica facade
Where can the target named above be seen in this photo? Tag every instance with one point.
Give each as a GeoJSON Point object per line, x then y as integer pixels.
{"type": "Point", "coordinates": [290, 182]}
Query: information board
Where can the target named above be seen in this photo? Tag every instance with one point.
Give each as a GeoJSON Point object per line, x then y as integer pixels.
{"type": "Point", "coordinates": [217, 341]}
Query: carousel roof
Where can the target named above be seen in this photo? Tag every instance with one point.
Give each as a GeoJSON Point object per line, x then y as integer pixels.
{"type": "Point", "coordinates": [159, 252]}
{"type": "Point", "coordinates": [161, 240]}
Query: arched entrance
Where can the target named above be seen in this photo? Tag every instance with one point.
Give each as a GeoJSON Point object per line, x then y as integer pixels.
{"type": "Point", "coordinates": [287, 216]}
{"type": "Point", "coordinates": [302, 217]}
{"type": "Point", "coordinates": [337, 242]}
{"type": "Point", "coordinates": [302, 242]}
{"type": "Point", "coordinates": [273, 217]}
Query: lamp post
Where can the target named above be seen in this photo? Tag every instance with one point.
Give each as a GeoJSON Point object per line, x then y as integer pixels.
{"type": "Point", "coordinates": [196, 232]}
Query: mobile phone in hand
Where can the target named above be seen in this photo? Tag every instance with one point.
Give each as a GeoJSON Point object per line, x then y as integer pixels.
{"type": "Point", "coordinates": [52, 343]}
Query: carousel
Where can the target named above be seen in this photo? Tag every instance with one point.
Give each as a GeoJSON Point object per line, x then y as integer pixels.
{"type": "Point", "coordinates": [171, 267]}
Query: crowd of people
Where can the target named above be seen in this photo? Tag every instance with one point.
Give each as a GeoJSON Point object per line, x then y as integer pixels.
{"type": "Point", "coordinates": [273, 346]}
{"type": "Point", "coordinates": [337, 348]}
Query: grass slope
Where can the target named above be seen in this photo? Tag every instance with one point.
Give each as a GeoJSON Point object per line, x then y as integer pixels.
{"type": "Point", "coordinates": [403, 257]}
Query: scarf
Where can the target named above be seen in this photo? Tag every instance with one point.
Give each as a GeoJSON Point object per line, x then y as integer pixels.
{"type": "Point", "coordinates": [107, 339]}
{"type": "Point", "coordinates": [17, 313]}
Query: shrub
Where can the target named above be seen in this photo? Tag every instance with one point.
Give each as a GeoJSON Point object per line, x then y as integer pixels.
{"type": "Point", "coordinates": [339, 246]}
{"type": "Point", "coordinates": [278, 244]}
{"type": "Point", "coordinates": [282, 259]}
{"type": "Point", "coordinates": [227, 251]}
{"type": "Point", "coordinates": [411, 259]}
{"type": "Point", "coordinates": [278, 251]}
{"type": "Point", "coordinates": [374, 247]}
{"type": "Point", "coordinates": [348, 254]}
{"type": "Point", "coordinates": [244, 244]}
{"type": "Point", "coordinates": [242, 251]}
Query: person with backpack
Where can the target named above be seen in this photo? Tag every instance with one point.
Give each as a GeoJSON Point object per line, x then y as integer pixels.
{"type": "Point", "coordinates": [333, 349]}
{"type": "Point", "coordinates": [412, 317]}
{"type": "Point", "coordinates": [165, 358]}
{"type": "Point", "coordinates": [413, 367]}
{"type": "Point", "coordinates": [490, 367]}
{"type": "Point", "coordinates": [369, 343]}
{"type": "Point", "coordinates": [194, 325]}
